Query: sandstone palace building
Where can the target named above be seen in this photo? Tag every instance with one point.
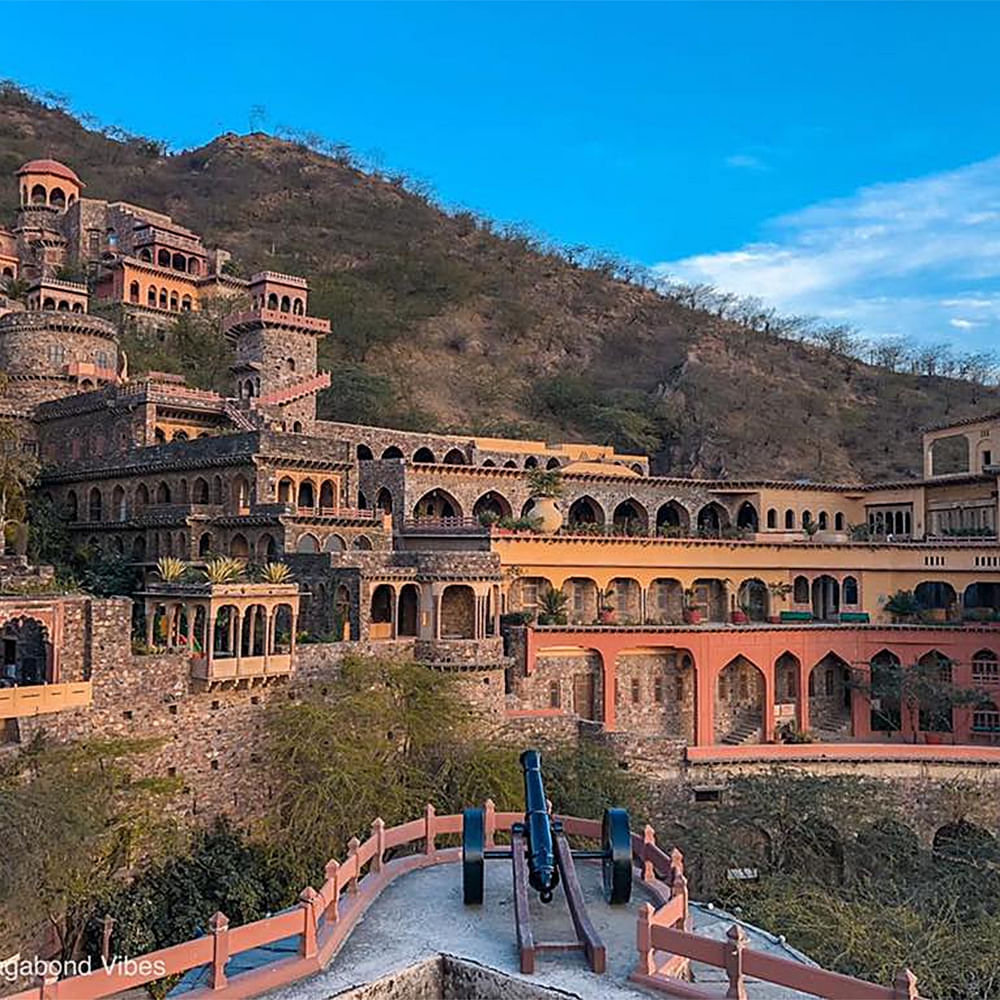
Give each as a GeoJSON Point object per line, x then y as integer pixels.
{"type": "Point", "coordinates": [703, 618]}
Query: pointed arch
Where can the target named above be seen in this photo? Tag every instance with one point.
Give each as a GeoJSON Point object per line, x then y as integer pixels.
{"type": "Point", "coordinates": [630, 517]}
{"type": "Point", "coordinates": [673, 518]}
{"type": "Point", "coordinates": [491, 506]}
{"type": "Point", "coordinates": [585, 510]}
{"type": "Point", "coordinates": [436, 504]}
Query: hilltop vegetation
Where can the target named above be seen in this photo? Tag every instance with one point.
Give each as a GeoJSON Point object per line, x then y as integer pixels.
{"type": "Point", "coordinates": [445, 321]}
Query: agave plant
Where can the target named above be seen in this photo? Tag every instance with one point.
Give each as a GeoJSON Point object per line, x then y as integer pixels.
{"type": "Point", "coordinates": [224, 569]}
{"type": "Point", "coordinates": [170, 569]}
{"type": "Point", "coordinates": [276, 573]}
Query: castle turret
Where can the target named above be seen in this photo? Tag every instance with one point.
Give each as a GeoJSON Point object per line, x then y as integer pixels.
{"type": "Point", "coordinates": [276, 345]}
{"type": "Point", "coordinates": [49, 354]}
{"type": "Point", "coordinates": [48, 184]}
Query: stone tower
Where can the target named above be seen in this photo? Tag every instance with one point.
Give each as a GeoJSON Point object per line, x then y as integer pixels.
{"type": "Point", "coordinates": [276, 343]}
{"type": "Point", "coordinates": [47, 191]}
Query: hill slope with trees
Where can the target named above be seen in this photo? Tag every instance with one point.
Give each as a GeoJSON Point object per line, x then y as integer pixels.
{"type": "Point", "coordinates": [443, 320]}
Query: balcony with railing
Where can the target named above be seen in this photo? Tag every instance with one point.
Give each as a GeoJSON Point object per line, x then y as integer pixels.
{"type": "Point", "coordinates": [40, 699]}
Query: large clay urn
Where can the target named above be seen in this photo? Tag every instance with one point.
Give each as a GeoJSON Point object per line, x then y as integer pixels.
{"type": "Point", "coordinates": [544, 510]}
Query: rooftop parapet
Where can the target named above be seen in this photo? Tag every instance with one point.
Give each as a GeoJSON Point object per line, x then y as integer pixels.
{"type": "Point", "coordinates": [51, 320]}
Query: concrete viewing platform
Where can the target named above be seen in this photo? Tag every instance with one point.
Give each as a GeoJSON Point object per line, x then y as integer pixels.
{"type": "Point", "coordinates": [419, 940]}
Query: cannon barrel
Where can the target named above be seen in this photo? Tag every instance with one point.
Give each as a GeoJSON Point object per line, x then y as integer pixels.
{"type": "Point", "coordinates": [543, 875]}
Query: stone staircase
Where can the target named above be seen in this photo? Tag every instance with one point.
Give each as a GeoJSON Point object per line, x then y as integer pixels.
{"type": "Point", "coordinates": [745, 729]}
{"type": "Point", "coordinates": [238, 416]}
{"type": "Point", "coordinates": [830, 726]}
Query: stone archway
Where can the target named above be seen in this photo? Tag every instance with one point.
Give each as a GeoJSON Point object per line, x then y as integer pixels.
{"type": "Point", "coordinates": [458, 612]}
{"type": "Point", "coordinates": [27, 652]}
{"type": "Point", "coordinates": [739, 702]}
{"type": "Point", "coordinates": [829, 689]}
{"type": "Point", "coordinates": [752, 599]}
{"type": "Point", "coordinates": [825, 598]}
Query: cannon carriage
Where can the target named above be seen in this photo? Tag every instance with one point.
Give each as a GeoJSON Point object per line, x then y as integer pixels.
{"type": "Point", "coordinates": [542, 860]}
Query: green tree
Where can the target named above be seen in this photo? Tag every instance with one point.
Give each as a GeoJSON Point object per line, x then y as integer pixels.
{"type": "Point", "coordinates": [389, 737]}
{"type": "Point", "coordinates": [18, 469]}
{"type": "Point", "coordinates": [75, 820]}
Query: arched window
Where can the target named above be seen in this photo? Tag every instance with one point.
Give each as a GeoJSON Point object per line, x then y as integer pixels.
{"type": "Point", "coordinates": [119, 508]}
{"type": "Point", "coordinates": [145, 255]}
{"type": "Point", "coordinates": [72, 507]}
{"type": "Point", "coordinates": [163, 299]}
{"type": "Point", "coordinates": [838, 521]}
{"type": "Point", "coordinates": [179, 262]}
{"type": "Point", "coordinates": [163, 492]}
{"type": "Point", "coordinates": [38, 195]}
{"type": "Point", "coordinates": [286, 304]}
{"type": "Point", "coordinates": [823, 520]}
{"type": "Point", "coordinates": [327, 495]}
{"type": "Point", "coordinates": [151, 297]}
{"type": "Point", "coordinates": [423, 455]}
{"type": "Point", "coordinates": [849, 591]}
{"type": "Point", "coordinates": [133, 292]}
{"type": "Point", "coordinates": [772, 518]}
{"type": "Point", "coordinates": [800, 590]}
{"type": "Point", "coordinates": [163, 258]}
{"type": "Point", "coordinates": [789, 519]}
{"type": "Point", "coordinates": [186, 303]}
{"type": "Point", "coordinates": [272, 301]}
{"type": "Point", "coordinates": [95, 507]}
{"type": "Point", "coordinates": [174, 302]}
{"type": "Point", "coordinates": [307, 543]}
{"type": "Point", "coordinates": [985, 667]}
{"type": "Point", "coordinates": [297, 307]}
{"type": "Point", "coordinates": [49, 304]}
{"type": "Point", "coordinates": [392, 452]}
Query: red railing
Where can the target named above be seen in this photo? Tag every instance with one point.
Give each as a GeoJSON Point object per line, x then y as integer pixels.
{"type": "Point", "coordinates": [324, 919]}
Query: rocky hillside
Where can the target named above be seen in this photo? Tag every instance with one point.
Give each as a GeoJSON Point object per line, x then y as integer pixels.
{"type": "Point", "coordinates": [442, 322]}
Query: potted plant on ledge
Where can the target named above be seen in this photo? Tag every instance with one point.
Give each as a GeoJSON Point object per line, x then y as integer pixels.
{"type": "Point", "coordinates": [692, 616]}
{"type": "Point", "coordinates": [607, 614]}
{"type": "Point", "coordinates": [545, 487]}
{"type": "Point", "coordinates": [552, 607]}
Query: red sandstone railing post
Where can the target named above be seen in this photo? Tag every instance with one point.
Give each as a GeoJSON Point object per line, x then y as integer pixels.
{"type": "Point", "coordinates": [737, 939]}
{"type": "Point", "coordinates": [648, 841]}
{"type": "Point", "coordinates": [352, 852]}
{"type": "Point", "coordinates": [429, 829]}
{"type": "Point", "coordinates": [219, 927]}
{"type": "Point", "coordinates": [378, 832]}
{"type": "Point", "coordinates": [676, 862]}
{"type": "Point", "coordinates": [490, 821]}
{"type": "Point", "coordinates": [332, 873]}
{"type": "Point", "coordinates": [644, 940]}
{"type": "Point", "coordinates": [48, 986]}
{"type": "Point", "coordinates": [679, 887]}
{"type": "Point", "coordinates": [905, 986]}
{"type": "Point", "coordinates": [107, 926]}
{"type": "Point", "coordinates": [308, 898]}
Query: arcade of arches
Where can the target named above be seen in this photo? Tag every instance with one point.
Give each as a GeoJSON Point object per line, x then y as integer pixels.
{"type": "Point", "coordinates": [711, 687]}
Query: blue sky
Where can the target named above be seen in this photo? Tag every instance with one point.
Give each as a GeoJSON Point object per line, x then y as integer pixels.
{"type": "Point", "coordinates": [834, 159]}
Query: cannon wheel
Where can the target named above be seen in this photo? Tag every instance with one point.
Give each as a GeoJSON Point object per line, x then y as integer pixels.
{"type": "Point", "coordinates": [617, 864]}
{"type": "Point", "coordinates": [473, 847]}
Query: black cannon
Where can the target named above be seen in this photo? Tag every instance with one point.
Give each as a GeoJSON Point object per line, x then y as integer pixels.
{"type": "Point", "coordinates": [544, 845]}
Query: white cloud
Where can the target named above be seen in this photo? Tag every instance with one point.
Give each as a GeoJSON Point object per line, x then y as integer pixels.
{"type": "Point", "coordinates": [744, 161]}
{"type": "Point", "coordinates": [901, 258]}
